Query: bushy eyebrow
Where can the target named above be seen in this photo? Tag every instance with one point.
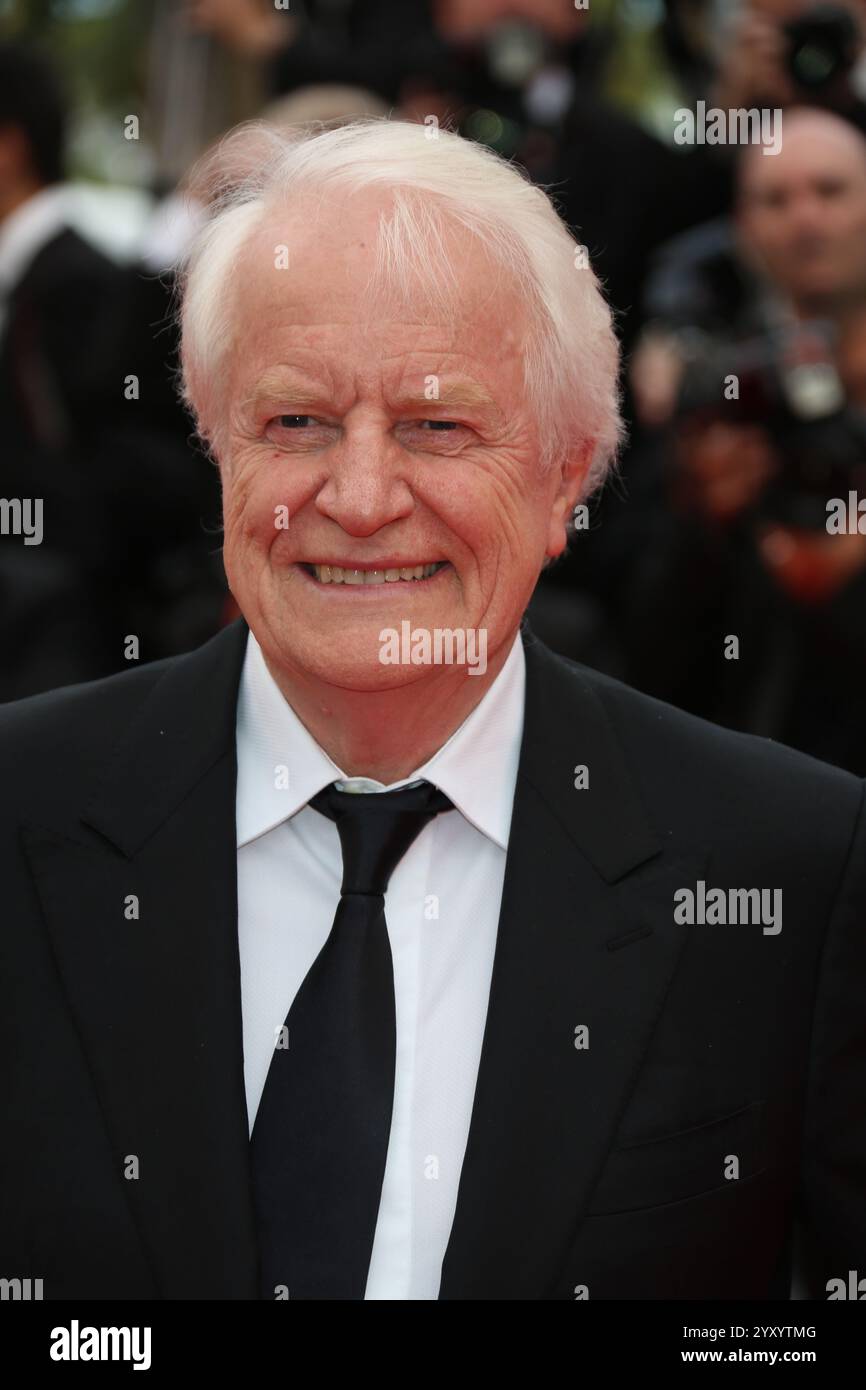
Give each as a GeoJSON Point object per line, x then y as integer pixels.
{"type": "Point", "coordinates": [276, 385]}
{"type": "Point", "coordinates": [458, 395]}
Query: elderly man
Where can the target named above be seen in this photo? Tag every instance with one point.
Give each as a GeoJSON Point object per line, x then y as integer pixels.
{"type": "Point", "coordinates": [372, 950]}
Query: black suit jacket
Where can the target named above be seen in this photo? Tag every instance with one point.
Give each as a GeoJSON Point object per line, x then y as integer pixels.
{"type": "Point", "coordinates": [600, 1167]}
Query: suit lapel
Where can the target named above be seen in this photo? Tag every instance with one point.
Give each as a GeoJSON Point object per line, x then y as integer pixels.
{"type": "Point", "coordinates": [156, 1000]}
{"type": "Point", "coordinates": [586, 939]}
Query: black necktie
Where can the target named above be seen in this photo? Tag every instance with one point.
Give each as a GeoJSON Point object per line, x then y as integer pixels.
{"type": "Point", "coordinates": [320, 1137]}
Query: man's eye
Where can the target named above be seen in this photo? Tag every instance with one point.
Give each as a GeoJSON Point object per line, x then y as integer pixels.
{"type": "Point", "coordinates": [293, 422]}
{"type": "Point", "coordinates": [440, 424]}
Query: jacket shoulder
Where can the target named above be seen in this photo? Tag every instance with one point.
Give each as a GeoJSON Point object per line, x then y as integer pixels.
{"type": "Point", "coordinates": [690, 772]}
{"type": "Point", "coordinates": [76, 725]}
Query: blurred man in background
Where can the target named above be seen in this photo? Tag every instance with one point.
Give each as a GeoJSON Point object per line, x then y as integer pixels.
{"type": "Point", "coordinates": [765, 391]}
{"type": "Point", "coordinates": [54, 292]}
{"type": "Point", "coordinates": [91, 427]}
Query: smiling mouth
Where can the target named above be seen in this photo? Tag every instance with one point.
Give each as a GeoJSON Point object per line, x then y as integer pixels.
{"type": "Point", "coordinates": [338, 574]}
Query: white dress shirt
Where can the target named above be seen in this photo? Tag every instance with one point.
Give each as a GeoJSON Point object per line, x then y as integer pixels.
{"type": "Point", "coordinates": [442, 910]}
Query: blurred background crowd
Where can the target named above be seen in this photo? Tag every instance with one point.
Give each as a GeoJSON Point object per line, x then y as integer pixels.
{"type": "Point", "coordinates": [738, 281]}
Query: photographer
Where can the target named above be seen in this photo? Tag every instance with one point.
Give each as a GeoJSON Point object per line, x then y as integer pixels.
{"type": "Point", "coordinates": [768, 427]}
{"type": "Point", "coordinates": [787, 52]}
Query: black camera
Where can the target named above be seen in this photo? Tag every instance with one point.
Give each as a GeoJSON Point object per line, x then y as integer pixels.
{"type": "Point", "coordinates": [822, 47]}
{"type": "Point", "coordinates": [786, 382]}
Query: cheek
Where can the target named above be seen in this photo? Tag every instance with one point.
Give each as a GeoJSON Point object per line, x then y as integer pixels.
{"type": "Point", "coordinates": [497, 515]}
{"type": "Point", "coordinates": [239, 528]}
{"type": "Point", "coordinates": [519, 499]}
{"type": "Point", "coordinates": [257, 506]}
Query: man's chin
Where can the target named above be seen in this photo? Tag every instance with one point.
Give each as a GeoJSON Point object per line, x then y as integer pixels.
{"type": "Point", "coordinates": [354, 671]}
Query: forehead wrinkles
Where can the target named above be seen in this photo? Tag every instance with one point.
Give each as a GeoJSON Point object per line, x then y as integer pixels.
{"type": "Point", "coordinates": [282, 335]}
{"type": "Point", "coordinates": [393, 352]}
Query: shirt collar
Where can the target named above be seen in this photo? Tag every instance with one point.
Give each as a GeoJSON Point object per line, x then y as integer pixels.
{"type": "Point", "coordinates": [281, 766]}
{"type": "Point", "coordinates": [26, 230]}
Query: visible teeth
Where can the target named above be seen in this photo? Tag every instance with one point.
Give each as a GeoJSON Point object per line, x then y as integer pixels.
{"type": "Point", "coordinates": [334, 574]}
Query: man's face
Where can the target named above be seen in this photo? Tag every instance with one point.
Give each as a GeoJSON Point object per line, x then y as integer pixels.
{"type": "Point", "coordinates": [333, 424]}
{"type": "Point", "coordinates": [803, 213]}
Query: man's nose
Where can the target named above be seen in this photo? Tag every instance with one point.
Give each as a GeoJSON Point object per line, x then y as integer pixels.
{"type": "Point", "coordinates": [366, 486]}
{"type": "Point", "coordinates": [809, 215]}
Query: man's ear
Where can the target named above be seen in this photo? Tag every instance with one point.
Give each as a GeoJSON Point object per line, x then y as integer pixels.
{"type": "Point", "coordinates": [573, 471]}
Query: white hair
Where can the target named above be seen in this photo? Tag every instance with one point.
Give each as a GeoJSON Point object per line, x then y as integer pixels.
{"type": "Point", "coordinates": [436, 179]}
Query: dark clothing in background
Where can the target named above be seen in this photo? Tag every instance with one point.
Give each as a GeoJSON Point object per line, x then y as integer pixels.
{"type": "Point", "coordinates": [376, 44]}
{"type": "Point", "coordinates": [127, 500]}
{"type": "Point", "coordinates": [800, 676]}
{"type": "Point", "coordinates": [625, 194]}
{"type": "Point", "coordinates": [697, 279]}
{"type": "Point", "coordinates": [167, 502]}
{"type": "Point", "coordinates": [55, 386]}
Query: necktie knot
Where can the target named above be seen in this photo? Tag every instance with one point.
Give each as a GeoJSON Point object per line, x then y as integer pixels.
{"type": "Point", "coordinates": [376, 829]}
